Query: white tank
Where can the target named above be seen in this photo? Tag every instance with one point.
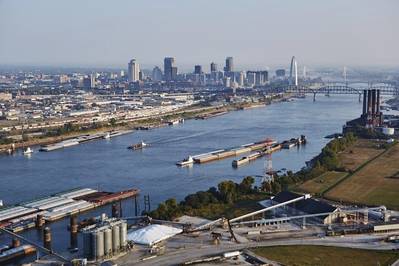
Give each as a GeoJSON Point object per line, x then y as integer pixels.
{"type": "Point", "coordinates": [388, 131]}
{"type": "Point", "coordinates": [108, 242]}
{"type": "Point", "coordinates": [123, 235]}
{"type": "Point", "coordinates": [115, 239]}
{"type": "Point", "coordinates": [98, 244]}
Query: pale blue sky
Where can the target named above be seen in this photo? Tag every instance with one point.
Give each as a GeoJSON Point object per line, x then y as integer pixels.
{"type": "Point", "coordinates": [257, 33]}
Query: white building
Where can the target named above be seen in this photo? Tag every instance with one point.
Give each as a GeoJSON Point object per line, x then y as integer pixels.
{"type": "Point", "coordinates": [133, 71]}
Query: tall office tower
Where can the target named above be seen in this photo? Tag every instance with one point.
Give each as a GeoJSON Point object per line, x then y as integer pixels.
{"type": "Point", "coordinates": [241, 79]}
{"type": "Point", "coordinates": [197, 69]}
{"type": "Point", "coordinates": [157, 74]}
{"type": "Point", "coordinates": [265, 76]}
{"type": "Point", "coordinates": [214, 67]}
{"type": "Point", "coordinates": [174, 73]}
{"type": "Point", "coordinates": [280, 72]}
{"type": "Point", "coordinates": [227, 82]}
{"type": "Point", "coordinates": [122, 74]}
{"type": "Point", "coordinates": [251, 77]}
{"type": "Point", "coordinates": [89, 82]}
{"type": "Point", "coordinates": [133, 71]}
{"type": "Point", "coordinates": [229, 65]}
{"type": "Point", "coordinates": [169, 68]}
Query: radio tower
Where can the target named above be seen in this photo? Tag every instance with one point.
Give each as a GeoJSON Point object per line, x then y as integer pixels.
{"type": "Point", "coordinates": [269, 177]}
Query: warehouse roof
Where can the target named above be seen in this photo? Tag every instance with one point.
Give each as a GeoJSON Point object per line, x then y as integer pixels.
{"type": "Point", "coordinates": [310, 206]}
{"type": "Point", "coordinates": [153, 234]}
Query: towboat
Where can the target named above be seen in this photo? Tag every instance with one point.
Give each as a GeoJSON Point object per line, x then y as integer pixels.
{"type": "Point", "coordinates": [189, 160]}
{"type": "Point", "coordinates": [107, 136]}
{"type": "Point", "coordinates": [138, 146]}
{"type": "Point", "coordinates": [28, 151]}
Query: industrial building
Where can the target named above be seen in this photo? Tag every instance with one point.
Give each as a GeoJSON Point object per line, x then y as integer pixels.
{"type": "Point", "coordinates": [105, 239]}
{"type": "Point", "coordinates": [371, 115]}
{"type": "Point", "coordinates": [303, 207]}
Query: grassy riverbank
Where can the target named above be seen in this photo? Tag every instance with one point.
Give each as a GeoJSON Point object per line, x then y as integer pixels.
{"type": "Point", "coordinates": [326, 256]}
{"type": "Point", "coordinates": [367, 176]}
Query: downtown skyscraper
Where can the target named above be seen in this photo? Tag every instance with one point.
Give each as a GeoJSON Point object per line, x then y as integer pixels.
{"type": "Point", "coordinates": [133, 71]}
{"type": "Point", "coordinates": [170, 70]}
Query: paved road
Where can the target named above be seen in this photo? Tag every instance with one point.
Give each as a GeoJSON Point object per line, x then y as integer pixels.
{"type": "Point", "coordinates": [396, 263]}
{"type": "Point", "coordinates": [187, 254]}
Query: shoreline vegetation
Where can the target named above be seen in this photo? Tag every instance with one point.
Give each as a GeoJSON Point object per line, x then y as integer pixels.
{"type": "Point", "coordinates": [69, 130]}
{"type": "Point", "coordinates": [236, 198]}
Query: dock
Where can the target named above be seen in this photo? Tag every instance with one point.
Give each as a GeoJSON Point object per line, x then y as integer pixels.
{"type": "Point", "coordinates": [82, 139]}
{"type": "Point", "coordinates": [55, 207]}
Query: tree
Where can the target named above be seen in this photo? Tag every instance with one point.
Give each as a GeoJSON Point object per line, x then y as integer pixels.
{"type": "Point", "coordinates": [276, 187]}
{"type": "Point", "coordinates": [246, 185]}
{"type": "Point", "coordinates": [227, 191]}
{"type": "Point", "coordinates": [266, 186]}
{"type": "Point", "coordinates": [112, 122]}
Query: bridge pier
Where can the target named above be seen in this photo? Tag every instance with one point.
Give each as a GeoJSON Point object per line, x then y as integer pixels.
{"type": "Point", "coordinates": [314, 96]}
{"type": "Point", "coordinates": [360, 97]}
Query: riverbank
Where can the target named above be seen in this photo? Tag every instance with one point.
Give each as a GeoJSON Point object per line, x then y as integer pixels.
{"type": "Point", "coordinates": [137, 123]}
{"type": "Point", "coordinates": [367, 176]}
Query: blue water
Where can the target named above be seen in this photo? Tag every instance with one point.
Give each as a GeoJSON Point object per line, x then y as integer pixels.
{"type": "Point", "coordinates": [108, 165]}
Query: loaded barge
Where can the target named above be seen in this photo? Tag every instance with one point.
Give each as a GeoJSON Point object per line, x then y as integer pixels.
{"type": "Point", "coordinates": [287, 144]}
{"type": "Point", "coordinates": [52, 208]}
{"type": "Point", "coordinates": [223, 154]}
{"type": "Point", "coordinates": [210, 115]}
{"type": "Point", "coordinates": [256, 155]}
{"type": "Point", "coordinates": [82, 139]}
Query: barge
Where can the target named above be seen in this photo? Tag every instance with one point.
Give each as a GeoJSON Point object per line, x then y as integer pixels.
{"type": "Point", "coordinates": [82, 139]}
{"type": "Point", "coordinates": [9, 253]}
{"type": "Point", "coordinates": [256, 155]}
{"type": "Point", "coordinates": [223, 154]}
{"type": "Point", "coordinates": [26, 215]}
{"type": "Point", "coordinates": [210, 115]}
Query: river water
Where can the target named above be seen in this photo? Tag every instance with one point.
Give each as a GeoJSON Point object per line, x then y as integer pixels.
{"type": "Point", "coordinates": [108, 165]}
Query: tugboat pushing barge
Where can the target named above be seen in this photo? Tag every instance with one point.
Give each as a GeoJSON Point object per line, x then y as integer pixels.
{"type": "Point", "coordinates": [186, 162]}
{"type": "Point", "coordinates": [138, 146]}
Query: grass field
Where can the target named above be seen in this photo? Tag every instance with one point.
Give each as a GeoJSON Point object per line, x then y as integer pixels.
{"type": "Point", "coordinates": [371, 185]}
{"type": "Point", "coordinates": [319, 184]}
{"type": "Point", "coordinates": [326, 256]}
{"type": "Point", "coordinates": [362, 151]}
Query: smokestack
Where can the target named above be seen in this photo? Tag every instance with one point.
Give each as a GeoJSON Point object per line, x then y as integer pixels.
{"type": "Point", "coordinates": [369, 102]}
{"type": "Point", "coordinates": [364, 102]}
{"type": "Point", "coordinates": [373, 102]}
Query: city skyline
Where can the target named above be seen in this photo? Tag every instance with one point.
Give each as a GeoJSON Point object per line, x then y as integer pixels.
{"type": "Point", "coordinates": [217, 30]}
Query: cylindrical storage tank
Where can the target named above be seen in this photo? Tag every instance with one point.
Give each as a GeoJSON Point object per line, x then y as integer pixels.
{"type": "Point", "coordinates": [388, 131]}
{"type": "Point", "coordinates": [115, 239]}
{"type": "Point", "coordinates": [98, 244]}
{"type": "Point", "coordinates": [108, 242]}
{"type": "Point", "coordinates": [123, 235]}
{"type": "Point", "coordinates": [87, 244]}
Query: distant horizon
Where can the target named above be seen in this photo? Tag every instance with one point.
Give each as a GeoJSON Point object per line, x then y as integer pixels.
{"type": "Point", "coordinates": [206, 67]}
{"type": "Point", "coordinates": [257, 33]}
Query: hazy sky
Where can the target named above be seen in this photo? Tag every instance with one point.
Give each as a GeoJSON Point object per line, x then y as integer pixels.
{"type": "Point", "coordinates": [256, 33]}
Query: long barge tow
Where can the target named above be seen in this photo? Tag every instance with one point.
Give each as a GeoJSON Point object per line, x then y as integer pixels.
{"type": "Point", "coordinates": [82, 139]}
{"type": "Point", "coordinates": [55, 207]}
{"type": "Point", "coordinates": [226, 153]}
